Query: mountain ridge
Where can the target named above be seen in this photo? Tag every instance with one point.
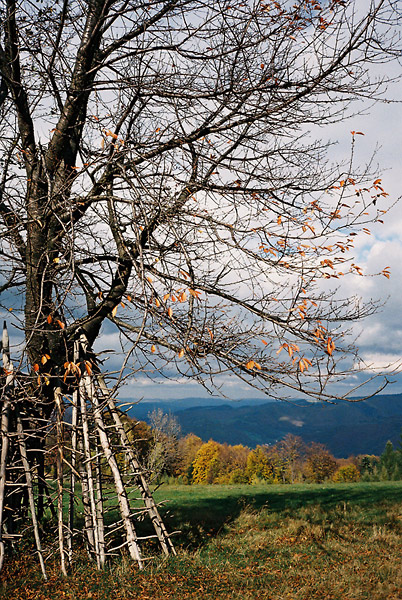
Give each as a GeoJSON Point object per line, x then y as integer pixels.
{"type": "Point", "coordinates": [346, 428]}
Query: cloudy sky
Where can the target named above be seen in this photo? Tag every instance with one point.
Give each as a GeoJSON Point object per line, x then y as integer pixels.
{"type": "Point", "coordinates": [380, 336]}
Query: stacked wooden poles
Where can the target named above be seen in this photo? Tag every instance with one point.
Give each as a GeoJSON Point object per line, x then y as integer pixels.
{"type": "Point", "coordinates": [88, 463]}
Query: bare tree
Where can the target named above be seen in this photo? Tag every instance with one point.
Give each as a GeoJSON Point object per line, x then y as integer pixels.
{"type": "Point", "coordinates": [158, 172]}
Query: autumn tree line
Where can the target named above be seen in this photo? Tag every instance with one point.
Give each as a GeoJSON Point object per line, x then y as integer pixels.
{"type": "Point", "coordinates": [169, 456]}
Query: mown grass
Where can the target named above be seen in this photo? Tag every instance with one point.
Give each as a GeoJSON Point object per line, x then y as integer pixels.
{"type": "Point", "coordinates": [250, 542]}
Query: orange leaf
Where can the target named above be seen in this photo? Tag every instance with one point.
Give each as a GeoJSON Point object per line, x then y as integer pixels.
{"type": "Point", "coordinates": [88, 367]}
{"type": "Point", "coordinates": [330, 346]}
{"type": "Point", "coordinates": [128, 297]}
{"type": "Point", "coordinates": [153, 348]}
{"type": "Point", "coordinates": [60, 324]}
{"type": "Point", "coordinates": [36, 367]}
{"type": "Point", "coordinates": [264, 342]}
{"type": "Point", "coordinates": [49, 319]}
{"type": "Point", "coordinates": [114, 311]}
{"type": "Point", "coordinates": [170, 312]}
{"type": "Point", "coordinates": [181, 353]}
{"type": "Point", "coordinates": [250, 364]}
{"type": "Point", "coordinates": [165, 297]}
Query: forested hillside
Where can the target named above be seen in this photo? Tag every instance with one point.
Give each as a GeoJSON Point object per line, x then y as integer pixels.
{"type": "Point", "coordinates": [345, 428]}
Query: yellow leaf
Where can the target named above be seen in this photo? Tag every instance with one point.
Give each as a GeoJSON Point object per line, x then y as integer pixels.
{"type": "Point", "coordinates": [44, 359]}
{"type": "Point", "coordinates": [250, 364]}
{"type": "Point", "coordinates": [56, 260]}
{"type": "Point", "coordinates": [114, 311]}
{"type": "Point", "coordinates": [153, 348]}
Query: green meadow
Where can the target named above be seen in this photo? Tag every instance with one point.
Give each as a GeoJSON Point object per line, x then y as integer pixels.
{"type": "Point", "coordinates": [293, 542]}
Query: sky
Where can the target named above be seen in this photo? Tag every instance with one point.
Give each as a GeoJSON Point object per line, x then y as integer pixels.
{"type": "Point", "coordinates": [379, 336]}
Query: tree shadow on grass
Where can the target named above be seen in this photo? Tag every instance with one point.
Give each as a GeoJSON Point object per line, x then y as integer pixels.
{"type": "Point", "coordinates": [200, 518]}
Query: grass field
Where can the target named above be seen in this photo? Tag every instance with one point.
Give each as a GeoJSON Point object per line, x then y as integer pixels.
{"type": "Point", "coordinates": [300, 542]}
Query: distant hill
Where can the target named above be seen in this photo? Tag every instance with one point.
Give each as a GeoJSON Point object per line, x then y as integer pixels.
{"type": "Point", "coordinates": [345, 428]}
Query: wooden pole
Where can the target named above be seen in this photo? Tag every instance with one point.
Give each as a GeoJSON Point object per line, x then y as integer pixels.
{"type": "Point", "coordinates": [60, 455]}
{"type": "Point", "coordinates": [122, 498]}
{"type": "Point", "coordinates": [29, 485]}
{"type": "Point", "coordinates": [99, 508]}
{"type": "Point", "coordinates": [3, 466]}
{"type": "Point", "coordinates": [159, 526]}
{"type": "Point", "coordinates": [88, 468]}
{"type": "Point", "coordinates": [73, 461]}
{"type": "Point", "coordinates": [5, 409]}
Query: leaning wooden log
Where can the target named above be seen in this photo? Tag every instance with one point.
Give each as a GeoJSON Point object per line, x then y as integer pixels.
{"type": "Point", "coordinates": [3, 466]}
{"type": "Point", "coordinates": [89, 474]}
{"type": "Point", "coordinates": [159, 526]}
{"type": "Point", "coordinates": [59, 463]}
{"type": "Point", "coordinates": [100, 508]}
{"type": "Point", "coordinates": [124, 505]}
{"type": "Point", "coordinates": [29, 484]}
{"type": "Point", "coordinates": [4, 426]}
{"type": "Point", "coordinates": [73, 474]}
